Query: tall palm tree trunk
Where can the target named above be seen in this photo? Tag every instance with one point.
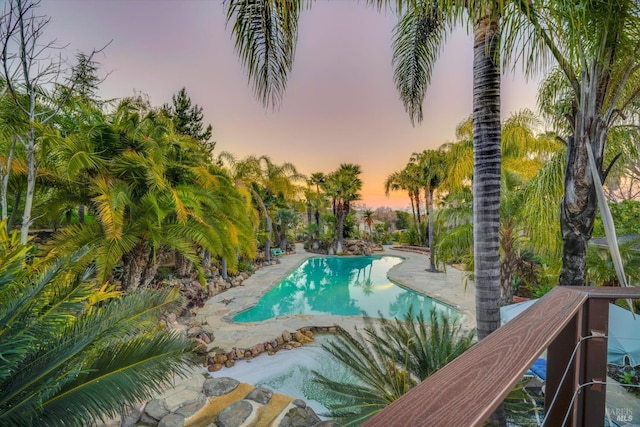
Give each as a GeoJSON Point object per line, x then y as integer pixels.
{"type": "Point", "coordinates": [342, 214]}
{"type": "Point", "coordinates": [579, 204]}
{"type": "Point", "coordinates": [413, 209]}
{"type": "Point", "coordinates": [486, 180]}
{"type": "Point", "coordinates": [432, 261]}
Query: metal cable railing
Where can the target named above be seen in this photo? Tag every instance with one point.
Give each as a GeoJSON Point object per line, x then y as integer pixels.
{"type": "Point", "coordinates": [469, 389]}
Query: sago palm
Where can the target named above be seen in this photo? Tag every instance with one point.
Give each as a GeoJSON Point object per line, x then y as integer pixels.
{"type": "Point", "coordinates": [72, 353]}
{"type": "Point", "coordinates": [387, 358]}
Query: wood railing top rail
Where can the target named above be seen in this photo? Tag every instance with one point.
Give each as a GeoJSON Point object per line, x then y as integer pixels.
{"type": "Point", "coordinates": [467, 390]}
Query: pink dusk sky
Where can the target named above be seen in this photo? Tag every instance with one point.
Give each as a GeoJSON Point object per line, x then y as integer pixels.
{"type": "Point", "coordinates": [340, 106]}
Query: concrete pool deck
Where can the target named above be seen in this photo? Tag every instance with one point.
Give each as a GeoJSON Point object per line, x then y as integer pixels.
{"type": "Point", "coordinates": [217, 312]}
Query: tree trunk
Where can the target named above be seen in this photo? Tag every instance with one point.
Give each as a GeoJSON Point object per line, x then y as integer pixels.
{"type": "Point", "coordinates": [206, 258]}
{"type": "Point", "coordinates": [134, 265]}
{"type": "Point", "coordinates": [31, 186]}
{"type": "Point", "coordinates": [151, 268]}
{"type": "Point", "coordinates": [486, 179]}
{"type": "Point", "coordinates": [342, 214]}
{"type": "Point", "coordinates": [183, 265]}
{"type": "Point", "coordinates": [432, 261]}
{"type": "Point", "coordinates": [413, 209]}
{"type": "Point", "coordinates": [224, 268]}
{"type": "Point", "coordinates": [418, 216]}
{"type": "Point", "coordinates": [579, 204]}
{"type": "Point", "coordinates": [508, 263]}
{"type": "Point", "coordinates": [81, 210]}
{"type": "Point", "coordinates": [5, 180]}
{"type": "Point", "coordinates": [16, 204]}
{"type": "Point", "coordinates": [283, 239]}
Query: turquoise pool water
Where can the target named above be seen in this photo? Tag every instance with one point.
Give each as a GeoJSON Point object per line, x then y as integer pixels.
{"type": "Point", "coordinates": [343, 286]}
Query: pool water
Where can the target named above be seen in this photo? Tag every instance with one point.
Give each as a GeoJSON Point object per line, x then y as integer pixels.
{"type": "Point", "coordinates": [289, 373]}
{"type": "Point", "coordinates": [342, 286]}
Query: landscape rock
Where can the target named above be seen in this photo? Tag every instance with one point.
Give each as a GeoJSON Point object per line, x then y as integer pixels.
{"type": "Point", "coordinates": [157, 409]}
{"type": "Point", "coordinates": [172, 420]}
{"type": "Point", "coordinates": [204, 337]}
{"type": "Point", "coordinates": [235, 414]}
{"type": "Point", "coordinates": [300, 417]}
{"type": "Point", "coordinates": [131, 417]}
{"type": "Point", "coordinates": [302, 338]}
{"type": "Point", "coordinates": [300, 403]}
{"type": "Point", "coordinates": [260, 394]}
{"type": "Point", "coordinates": [146, 420]}
{"type": "Point", "coordinates": [286, 336]}
{"type": "Point", "coordinates": [189, 409]}
{"type": "Point", "coordinates": [194, 331]}
{"type": "Point", "coordinates": [219, 386]}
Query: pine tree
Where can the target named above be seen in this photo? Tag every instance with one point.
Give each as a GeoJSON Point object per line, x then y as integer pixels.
{"type": "Point", "coordinates": [187, 119]}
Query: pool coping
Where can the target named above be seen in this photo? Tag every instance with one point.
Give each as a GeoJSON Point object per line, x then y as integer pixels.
{"type": "Point", "coordinates": [447, 287]}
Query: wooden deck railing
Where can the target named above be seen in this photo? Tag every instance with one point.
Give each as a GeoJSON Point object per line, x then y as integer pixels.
{"type": "Point", "coordinates": [467, 391]}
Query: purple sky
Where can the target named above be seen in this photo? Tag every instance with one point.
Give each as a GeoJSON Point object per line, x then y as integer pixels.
{"type": "Point", "coordinates": [340, 105]}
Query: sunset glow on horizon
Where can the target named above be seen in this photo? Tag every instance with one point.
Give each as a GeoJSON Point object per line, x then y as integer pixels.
{"type": "Point", "coordinates": [340, 105]}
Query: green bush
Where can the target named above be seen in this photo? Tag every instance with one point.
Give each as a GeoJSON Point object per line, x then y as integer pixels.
{"type": "Point", "coordinates": [626, 217]}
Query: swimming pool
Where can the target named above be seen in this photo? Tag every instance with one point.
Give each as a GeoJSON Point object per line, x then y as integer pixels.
{"type": "Point", "coordinates": [341, 286]}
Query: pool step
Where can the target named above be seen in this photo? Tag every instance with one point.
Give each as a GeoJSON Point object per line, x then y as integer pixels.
{"type": "Point", "coordinates": [248, 406]}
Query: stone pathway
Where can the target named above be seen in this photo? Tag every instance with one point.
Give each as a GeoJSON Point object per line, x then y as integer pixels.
{"type": "Point", "coordinates": [221, 402]}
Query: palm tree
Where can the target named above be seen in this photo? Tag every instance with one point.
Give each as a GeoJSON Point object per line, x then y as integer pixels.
{"type": "Point", "coordinates": [286, 218]}
{"type": "Point", "coordinates": [152, 193]}
{"type": "Point", "coordinates": [265, 36]}
{"type": "Point", "coordinates": [343, 187]}
{"type": "Point", "coordinates": [317, 179]}
{"type": "Point", "coordinates": [72, 352]}
{"type": "Point", "coordinates": [433, 167]}
{"type": "Point", "coordinates": [595, 47]}
{"type": "Point", "coordinates": [388, 359]}
{"type": "Point", "coordinates": [268, 184]}
{"type": "Point", "coordinates": [367, 216]}
{"type": "Point", "coordinates": [400, 180]}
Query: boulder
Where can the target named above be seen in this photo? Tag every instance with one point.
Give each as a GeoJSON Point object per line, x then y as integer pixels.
{"type": "Point", "coordinates": [286, 336]}
{"type": "Point", "coordinates": [157, 409]}
{"type": "Point", "coordinates": [302, 338]}
{"type": "Point", "coordinates": [300, 417]}
{"type": "Point", "coordinates": [219, 386]}
{"type": "Point", "coordinates": [130, 419]}
{"type": "Point", "coordinates": [300, 403]}
{"type": "Point", "coordinates": [172, 420]}
{"type": "Point", "coordinates": [191, 408]}
{"type": "Point", "coordinates": [235, 414]}
{"type": "Point", "coordinates": [194, 331]}
{"type": "Point", "coordinates": [260, 394]}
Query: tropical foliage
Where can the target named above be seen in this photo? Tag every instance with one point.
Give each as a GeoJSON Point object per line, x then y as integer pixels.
{"type": "Point", "coordinates": [73, 352]}
{"type": "Point", "coordinates": [593, 87]}
{"type": "Point", "coordinates": [388, 358]}
{"type": "Point", "coordinates": [152, 194]}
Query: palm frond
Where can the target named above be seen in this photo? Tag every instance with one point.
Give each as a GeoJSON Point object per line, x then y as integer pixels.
{"type": "Point", "coordinates": [417, 40]}
{"type": "Point", "coordinates": [386, 359]}
{"type": "Point", "coordinates": [265, 34]}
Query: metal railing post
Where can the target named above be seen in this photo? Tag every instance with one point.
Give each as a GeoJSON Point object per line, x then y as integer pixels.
{"type": "Point", "coordinates": [559, 388]}
{"type": "Point", "coordinates": [591, 400]}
